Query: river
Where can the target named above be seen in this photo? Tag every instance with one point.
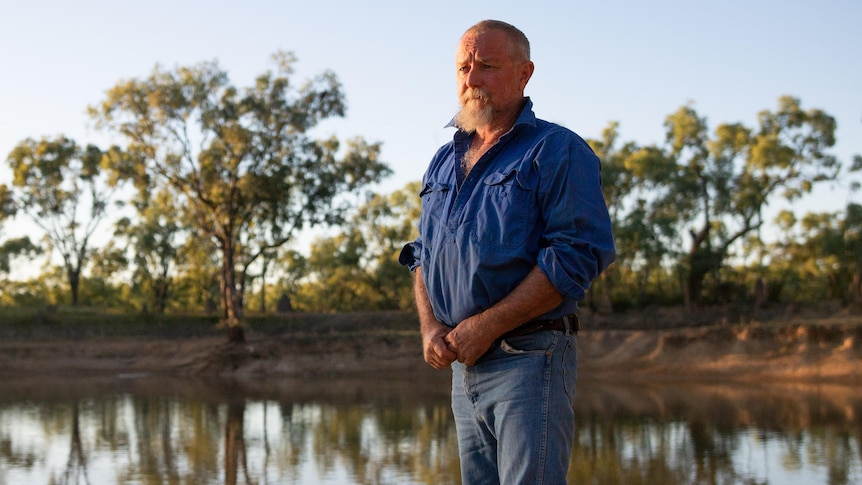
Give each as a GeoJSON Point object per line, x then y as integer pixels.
{"type": "Point", "coordinates": [147, 429]}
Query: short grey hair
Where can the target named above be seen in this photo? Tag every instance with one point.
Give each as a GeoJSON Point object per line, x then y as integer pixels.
{"type": "Point", "coordinates": [519, 42]}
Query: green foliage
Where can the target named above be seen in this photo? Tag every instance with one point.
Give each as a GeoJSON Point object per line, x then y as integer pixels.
{"type": "Point", "coordinates": [154, 241]}
{"type": "Point", "coordinates": [227, 177]}
{"type": "Point", "coordinates": [258, 177]}
{"type": "Point", "coordinates": [7, 203]}
{"type": "Point", "coordinates": [16, 248]}
{"type": "Point", "coordinates": [358, 268]}
{"type": "Point", "coordinates": [61, 187]}
{"type": "Point", "coordinates": [820, 256]}
{"type": "Point", "coordinates": [721, 184]}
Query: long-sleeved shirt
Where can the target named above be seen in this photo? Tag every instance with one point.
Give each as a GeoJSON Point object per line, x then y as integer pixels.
{"type": "Point", "coordinates": [534, 198]}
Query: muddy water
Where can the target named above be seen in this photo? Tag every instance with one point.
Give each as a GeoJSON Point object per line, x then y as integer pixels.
{"type": "Point", "coordinates": [136, 428]}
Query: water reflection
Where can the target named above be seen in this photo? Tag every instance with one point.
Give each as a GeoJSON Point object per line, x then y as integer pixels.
{"type": "Point", "coordinates": [141, 429]}
{"type": "Point", "coordinates": [718, 434]}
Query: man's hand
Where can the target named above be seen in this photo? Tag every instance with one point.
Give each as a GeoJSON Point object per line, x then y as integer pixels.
{"type": "Point", "coordinates": [471, 339]}
{"type": "Point", "coordinates": [434, 348]}
{"type": "Point", "coordinates": [534, 296]}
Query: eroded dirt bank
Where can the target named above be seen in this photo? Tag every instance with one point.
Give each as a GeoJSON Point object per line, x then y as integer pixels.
{"type": "Point", "coordinates": [826, 350]}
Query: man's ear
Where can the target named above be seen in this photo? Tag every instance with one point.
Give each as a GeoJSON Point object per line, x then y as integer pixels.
{"type": "Point", "coordinates": [526, 73]}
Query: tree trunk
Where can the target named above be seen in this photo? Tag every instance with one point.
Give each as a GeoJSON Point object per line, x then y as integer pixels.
{"type": "Point", "coordinates": [74, 284]}
{"type": "Point", "coordinates": [262, 294]}
{"type": "Point", "coordinates": [698, 265]}
{"type": "Point", "coordinates": [232, 312]}
{"type": "Point", "coordinates": [854, 290]}
{"type": "Point", "coordinates": [160, 295]}
{"type": "Point", "coordinates": [265, 265]}
{"type": "Point", "coordinates": [693, 286]}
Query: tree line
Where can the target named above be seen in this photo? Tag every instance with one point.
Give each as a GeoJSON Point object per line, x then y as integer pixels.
{"type": "Point", "coordinates": [213, 183]}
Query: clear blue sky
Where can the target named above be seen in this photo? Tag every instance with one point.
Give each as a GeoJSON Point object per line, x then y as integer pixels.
{"type": "Point", "coordinates": [628, 61]}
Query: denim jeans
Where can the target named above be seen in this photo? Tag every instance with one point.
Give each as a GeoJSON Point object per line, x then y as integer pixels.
{"type": "Point", "coordinates": [513, 411]}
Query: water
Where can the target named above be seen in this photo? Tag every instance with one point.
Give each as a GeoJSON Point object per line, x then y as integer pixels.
{"type": "Point", "coordinates": [138, 429]}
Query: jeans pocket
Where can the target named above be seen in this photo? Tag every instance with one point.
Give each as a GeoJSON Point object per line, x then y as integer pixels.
{"type": "Point", "coordinates": [534, 343]}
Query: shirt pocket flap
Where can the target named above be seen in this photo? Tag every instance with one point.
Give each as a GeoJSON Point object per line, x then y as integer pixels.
{"type": "Point", "coordinates": [505, 178]}
{"type": "Point", "coordinates": [434, 187]}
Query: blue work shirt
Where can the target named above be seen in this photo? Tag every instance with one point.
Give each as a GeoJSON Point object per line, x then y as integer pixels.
{"type": "Point", "coordinates": [534, 198]}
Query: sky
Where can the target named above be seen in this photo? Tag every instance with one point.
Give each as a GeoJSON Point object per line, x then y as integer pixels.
{"type": "Point", "coordinates": [630, 61]}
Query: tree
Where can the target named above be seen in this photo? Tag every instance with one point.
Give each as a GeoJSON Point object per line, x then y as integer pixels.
{"type": "Point", "coordinates": [358, 268]}
{"type": "Point", "coordinates": [723, 184]}
{"type": "Point", "coordinates": [336, 280]}
{"type": "Point", "coordinates": [12, 248]}
{"type": "Point", "coordinates": [108, 285]}
{"type": "Point", "coordinates": [385, 223]}
{"type": "Point", "coordinates": [293, 266]}
{"type": "Point", "coordinates": [241, 163]}
{"type": "Point", "coordinates": [820, 256]}
{"type": "Point", "coordinates": [196, 284]}
{"type": "Point", "coordinates": [7, 204]}
{"type": "Point", "coordinates": [633, 178]}
{"type": "Point", "coordinates": [63, 189]}
{"type": "Point", "coordinates": [155, 244]}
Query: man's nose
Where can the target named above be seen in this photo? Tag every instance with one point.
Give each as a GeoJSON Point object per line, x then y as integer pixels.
{"type": "Point", "coordinates": [473, 78]}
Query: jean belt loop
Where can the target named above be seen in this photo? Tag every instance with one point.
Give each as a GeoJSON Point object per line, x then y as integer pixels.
{"type": "Point", "coordinates": [568, 325]}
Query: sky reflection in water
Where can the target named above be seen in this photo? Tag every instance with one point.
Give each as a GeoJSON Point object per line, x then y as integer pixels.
{"type": "Point", "coordinates": [142, 429]}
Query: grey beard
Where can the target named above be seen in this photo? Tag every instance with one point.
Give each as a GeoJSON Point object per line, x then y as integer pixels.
{"type": "Point", "coordinates": [469, 119]}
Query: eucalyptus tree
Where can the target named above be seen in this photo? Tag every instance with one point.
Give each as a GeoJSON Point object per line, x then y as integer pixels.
{"type": "Point", "coordinates": [11, 248]}
{"type": "Point", "coordinates": [336, 281]}
{"type": "Point", "coordinates": [852, 257]}
{"type": "Point", "coordinates": [821, 255]}
{"type": "Point", "coordinates": [196, 284]}
{"type": "Point", "coordinates": [294, 269]}
{"type": "Point", "coordinates": [358, 268]}
{"type": "Point", "coordinates": [20, 247]}
{"type": "Point", "coordinates": [723, 183]}
{"type": "Point", "coordinates": [632, 177]}
{"type": "Point", "coordinates": [385, 223]}
{"type": "Point", "coordinates": [241, 163]}
{"type": "Point", "coordinates": [62, 187]}
{"type": "Point", "coordinates": [7, 204]}
{"type": "Point", "coordinates": [155, 241]}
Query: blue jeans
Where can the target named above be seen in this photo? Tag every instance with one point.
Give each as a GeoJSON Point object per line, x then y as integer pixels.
{"type": "Point", "coordinates": [513, 411]}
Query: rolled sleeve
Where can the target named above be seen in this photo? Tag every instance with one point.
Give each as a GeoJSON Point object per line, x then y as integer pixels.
{"type": "Point", "coordinates": [578, 241]}
{"type": "Point", "coordinates": [411, 255]}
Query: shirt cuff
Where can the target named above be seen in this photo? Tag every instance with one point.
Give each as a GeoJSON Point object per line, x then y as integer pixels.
{"type": "Point", "coordinates": [408, 256]}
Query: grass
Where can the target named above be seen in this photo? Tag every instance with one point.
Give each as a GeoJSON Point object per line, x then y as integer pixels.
{"type": "Point", "coordinates": [82, 322]}
{"type": "Point", "coordinates": [66, 322]}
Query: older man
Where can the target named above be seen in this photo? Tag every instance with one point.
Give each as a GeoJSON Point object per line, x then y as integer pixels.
{"type": "Point", "coordinates": [513, 229]}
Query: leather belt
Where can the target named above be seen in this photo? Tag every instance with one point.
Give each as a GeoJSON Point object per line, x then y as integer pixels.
{"type": "Point", "coordinates": [540, 325]}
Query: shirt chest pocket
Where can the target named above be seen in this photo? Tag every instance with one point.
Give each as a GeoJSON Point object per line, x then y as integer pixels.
{"type": "Point", "coordinates": [504, 215]}
{"type": "Point", "coordinates": [434, 196]}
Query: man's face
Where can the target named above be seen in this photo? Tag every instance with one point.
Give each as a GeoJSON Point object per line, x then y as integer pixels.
{"type": "Point", "coordinates": [490, 81]}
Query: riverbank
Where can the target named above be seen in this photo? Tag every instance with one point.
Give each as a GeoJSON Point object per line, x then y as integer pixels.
{"type": "Point", "coordinates": [821, 349]}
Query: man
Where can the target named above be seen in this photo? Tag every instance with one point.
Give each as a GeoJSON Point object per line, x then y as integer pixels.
{"type": "Point", "coordinates": [513, 229]}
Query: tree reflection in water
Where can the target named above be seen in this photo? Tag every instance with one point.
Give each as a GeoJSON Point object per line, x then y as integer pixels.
{"type": "Point", "coordinates": [76, 467]}
{"type": "Point", "coordinates": [382, 431]}
{"type": "Point", "coordinates": [717, 434]}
